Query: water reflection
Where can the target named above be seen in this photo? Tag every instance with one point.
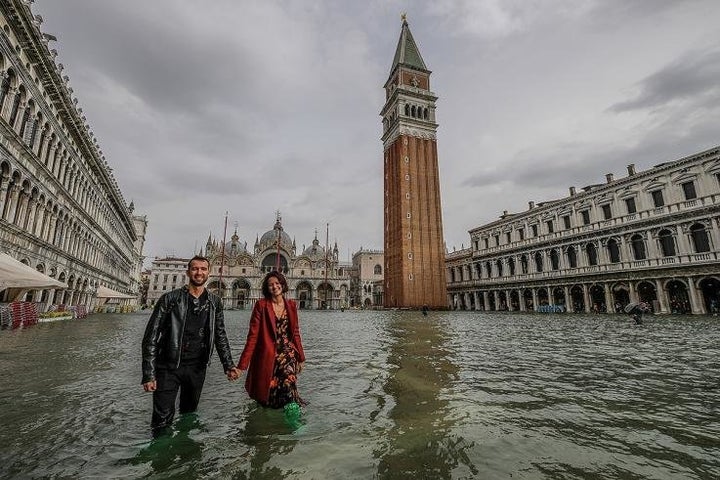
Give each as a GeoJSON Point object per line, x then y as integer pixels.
{"type": "Point", "coordinates": [176, 452]}
{"type": "Point", "coordinates": [268, 436]}
{"type": "Point", "coordinates": [393, 395]}
{"type": "Point", "coordinates": [419, 444]}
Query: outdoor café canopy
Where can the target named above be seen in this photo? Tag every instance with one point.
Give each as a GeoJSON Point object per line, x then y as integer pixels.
{"type": "Point", "coordinates": [105, 292]}
{"type": "Point", "coordinates": [15, 274]}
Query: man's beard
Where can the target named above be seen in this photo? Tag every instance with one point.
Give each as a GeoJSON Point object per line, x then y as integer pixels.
{"type": "Point", "coordinates": [195, 283]}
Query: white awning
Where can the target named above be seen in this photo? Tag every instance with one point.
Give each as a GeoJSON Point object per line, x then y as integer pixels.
{"type": "Point", "coordinates": [15, 274]}
{"type": "Point", "coordinates": [105, 292]}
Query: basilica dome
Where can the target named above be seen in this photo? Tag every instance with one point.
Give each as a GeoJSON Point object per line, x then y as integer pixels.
{"type": "Point", "coordinates": [315, 250]}
{"type": "Point", "coordinates": [270, 238]}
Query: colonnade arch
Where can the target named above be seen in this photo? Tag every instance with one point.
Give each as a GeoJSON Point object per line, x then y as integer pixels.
{"type": "Point", "coordinates": [673, 295]}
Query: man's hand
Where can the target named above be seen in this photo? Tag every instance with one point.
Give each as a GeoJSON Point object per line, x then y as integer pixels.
{"type": "Point", "coordinates": [150, 386]}
{"type": "Point", "coordinates": [233, 374]}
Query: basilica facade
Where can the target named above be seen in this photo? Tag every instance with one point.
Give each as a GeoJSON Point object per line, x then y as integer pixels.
{"type": "Point", "coordinates": [652, 236]}
{"type": "Point", "coordinates": [61, 210]}
{"type": "Point", "coordinates": [316, 277]}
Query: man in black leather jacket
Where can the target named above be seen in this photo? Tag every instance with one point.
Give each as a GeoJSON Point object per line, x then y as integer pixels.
{"type": "Point", "coordinates": [178, 343]}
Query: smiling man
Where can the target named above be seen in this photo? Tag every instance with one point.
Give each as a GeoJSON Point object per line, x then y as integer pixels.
{"type": "Point", "coordinates": [178, 343]}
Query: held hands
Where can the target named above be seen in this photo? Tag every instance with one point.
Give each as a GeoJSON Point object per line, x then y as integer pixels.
{"type": "Point", "coordinates": [233, 374]}
{"type": "Point", "coordinates": [150, 386]}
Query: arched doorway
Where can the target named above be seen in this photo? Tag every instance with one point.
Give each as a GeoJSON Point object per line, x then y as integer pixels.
{"type": "Point", "coordinates": [597, 299]}
{"type": "Point", "coordinates": [514, 301]}
{"type": "Point", "coordinates": [577, 298]}
{"type": "Point", "coordinates": [528, 299]}
{"type": "Point", "coordinates": [324, 296]}
{"type": "Point", "coordinates": [621, 297]}
{"type": "Point", "coordinates": [679, 300]}
{"type": "Point", "coordinates": [304, 295]}
{"type": "Point", "coordinates": [558, 296]}
{"type": "Point", "coordinates": [648, 293]}
{"type": "Point", "coordinates": [241, 293]}
{"type": "Point", "coordinates": [710, 288]}
{"type": "Point", "coordinates": [542, 297]}
{"type": "Point", "coordinates": [502, 298]}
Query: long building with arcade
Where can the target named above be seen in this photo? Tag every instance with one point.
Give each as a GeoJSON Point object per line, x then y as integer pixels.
{"type": "Point", "coordinates": [651, 236]}
{"type": "Point", "coordinates": [61, 210]}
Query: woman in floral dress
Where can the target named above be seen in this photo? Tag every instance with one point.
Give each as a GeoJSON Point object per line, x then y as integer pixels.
{"type": "Point", "coordinates": [273, 355]}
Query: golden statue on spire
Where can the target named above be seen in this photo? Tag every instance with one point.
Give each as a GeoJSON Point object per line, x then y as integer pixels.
{"type": "Point", "coordinates": [403, 16]}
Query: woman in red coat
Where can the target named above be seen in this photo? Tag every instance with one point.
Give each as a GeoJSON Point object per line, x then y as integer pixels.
{"type": "Point", "coordinates": [273, 353]}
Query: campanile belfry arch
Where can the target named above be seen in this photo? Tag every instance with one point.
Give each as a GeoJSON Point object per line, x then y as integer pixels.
{"type": "Point", "coordinates": [414, 244]}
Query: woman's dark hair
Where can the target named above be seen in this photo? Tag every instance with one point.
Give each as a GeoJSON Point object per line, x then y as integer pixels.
{"type": "Point", "coordinates": [266, 280]}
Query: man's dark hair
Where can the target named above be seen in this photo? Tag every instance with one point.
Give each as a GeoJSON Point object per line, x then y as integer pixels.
{"type": "Point", "coordinates": [266, 280]}
{"type": "Point", "coordinates": [198, 257]}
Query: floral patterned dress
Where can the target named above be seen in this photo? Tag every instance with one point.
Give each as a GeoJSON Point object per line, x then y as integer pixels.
{"type": "Point", "coordinates": [283, 385]}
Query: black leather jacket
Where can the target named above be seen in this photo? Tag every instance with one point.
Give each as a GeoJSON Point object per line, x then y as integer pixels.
{"type": "Point", "coordinates": [164, 331]}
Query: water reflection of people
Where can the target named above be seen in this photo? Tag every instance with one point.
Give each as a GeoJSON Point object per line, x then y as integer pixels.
{"type": "Point", "coordinates": [273, 353]}
{"type": "Point", "coordinates": [176, 449]}
{"type": "Point", "coordinates": [185, 326]}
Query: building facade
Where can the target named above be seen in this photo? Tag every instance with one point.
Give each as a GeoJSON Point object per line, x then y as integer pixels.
{"type": "Point", "coordinates": [166, 273]}
{"type": "Point", "coordinates": [316, 277]}
{"type": "Point", "coordinates": [366, 279]}
{"type": "Point", "coordinates": [61, 210]}
{"type": "Point", "coordinates": [651, 236]}
{"type": "Point", "coordinates": [414, 245]}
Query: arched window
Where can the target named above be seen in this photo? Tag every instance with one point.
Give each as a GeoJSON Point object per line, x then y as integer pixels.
{"type": "Point", "coordinates": [488, 269]}
{"type": "Point", "coordinates": [554, 260]}
{"type": "Point", "coordinates": [538, 262]}
{"type": "Point", "coordinates": [667, 243]}
{"type": "Point", "coordinates": [425, 113]}
{"type": "Point", "coordinates": [613, 250]}
{"type": "Point", "coordinates": [15, 108]}
{"type": "Point", "coordinates": [499, 267]}
{"type": "Point", "coordinates": [700, 238]}
{"type": "Point", "coordinates": [377, 270]}
{"type": "Point", "coordinates": [407, 110]}
{"type": "Point", "coordinates": [591, 252]}
{"type": "Point", "coordinates": [572, 257]}
{"type": "Point", "coordinates": [638, 247]}
{"type": "Point", "coordinates": [511, 265]}
{"type": "Point", "coordinates": [26, 118]}
{"type": "Point", "coordinates": [412, 111]}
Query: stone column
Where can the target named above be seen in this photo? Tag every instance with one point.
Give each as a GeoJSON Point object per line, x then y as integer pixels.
{"type": "Point", "coordinates": [697, 307]}
{"type": "Point", "coordinates": [661, 296]}
{"type": "Point", "coordinates": [535, 299]}
{"type": "Point", "coordinates": [633, 293]}
{"type": "Point", "coordinates": [496, 297]}
{"type": "Point", "coordinates": [608, 298]}
{"type": "Point", "coordinates": [12, 202]}
{"type": "Point", "coordinates": [486, 301]}
{"type": "Point", "coordinates": [521, 301]}
{"type": "Point", "coordinates": [652, 246]}
{"type": "Point", "coordinates": [476, 299]}
{"type": "Point", "coordinates": [588, 300]}
{"type": "Point", "coordinates": [568, 300]}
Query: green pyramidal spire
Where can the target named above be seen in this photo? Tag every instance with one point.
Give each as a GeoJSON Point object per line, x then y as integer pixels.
{"type": "Point", "coordinates": [407, 53]}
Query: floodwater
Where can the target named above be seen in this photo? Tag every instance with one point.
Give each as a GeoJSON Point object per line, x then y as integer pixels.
{"type": "Point", "coordinates": [392, 395]}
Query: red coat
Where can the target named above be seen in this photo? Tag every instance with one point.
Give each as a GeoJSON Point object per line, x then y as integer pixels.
{"type": "Point", "coordinates": [259, 351]}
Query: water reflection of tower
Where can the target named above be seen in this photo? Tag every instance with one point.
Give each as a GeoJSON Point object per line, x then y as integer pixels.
{"type": "Point", "coordinates": [414, 245]}
{"type": "Point", "coordinates": [422, 441]}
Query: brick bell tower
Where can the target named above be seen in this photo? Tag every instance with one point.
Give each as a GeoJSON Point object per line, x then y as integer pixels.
{"type": "Point", "coordinates": [414, 243]}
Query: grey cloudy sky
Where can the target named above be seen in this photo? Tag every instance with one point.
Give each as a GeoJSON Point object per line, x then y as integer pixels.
{"type": "Point", "coordinates": [263, 105]}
